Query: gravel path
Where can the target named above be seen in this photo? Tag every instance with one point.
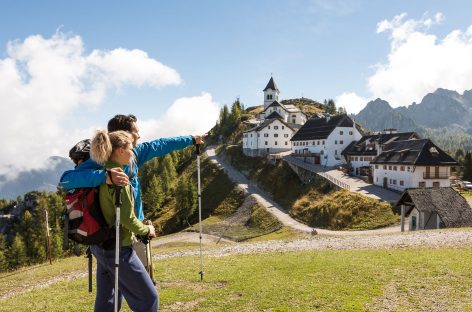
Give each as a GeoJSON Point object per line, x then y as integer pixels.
{"type": "Point", "coordinates": [421, 239]}
{"type": "Point", "coordinates": [264, 199]}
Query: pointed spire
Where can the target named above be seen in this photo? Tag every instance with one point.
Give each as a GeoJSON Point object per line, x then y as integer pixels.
{"type": "Point", "coordinates": [271, 85]}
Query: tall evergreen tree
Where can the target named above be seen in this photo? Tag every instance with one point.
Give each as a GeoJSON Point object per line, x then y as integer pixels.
{"type": "Point", "coordinates": [16, 253]}
{"type": "Point", "coordinates": [467, 168]}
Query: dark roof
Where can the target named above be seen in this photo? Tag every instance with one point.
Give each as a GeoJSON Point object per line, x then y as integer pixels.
{"type": "Point", "coordinates": [321, 128]}
{"type": "Point", "coordinates": [385, 138]}
{"type": "Point", "coordinates": [366, 145]}
{"type": "Point", "coordinates": [445, 201]}
{"type": "Point", "coordinates": [268, 121]}
{"type": "Point", "coordinates": [274, 114]}
{"type": "Point", "coordinates": [275, 104]}
{"type": "Point", "coordinates": [354, 148]}
{"type": "Point", "coordinates": [414, 152]}
{"type": "Point", "coordinates": [271, 85]}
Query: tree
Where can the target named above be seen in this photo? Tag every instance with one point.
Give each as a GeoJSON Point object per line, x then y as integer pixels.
{"type": "Point", "coordinates": [154, 195]}
{"type": "Point", "coordinates": [467, 171]}
{"type": "Point", "coordinates": [185, 197]}
{"type": "Point", "coordinates": [16, 254]}
{"type": "Point", "coordinates": [330, 106]}
{"type": "Point", "coordinates": [3, 258]}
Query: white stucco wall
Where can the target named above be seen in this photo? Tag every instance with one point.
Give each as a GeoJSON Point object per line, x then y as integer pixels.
{"type": "Point", "coordinates": [411, 176]}
{"type": "Point", "coordinates": [330, 148]}
{"type": "Point", "coordinates": [275, 137]}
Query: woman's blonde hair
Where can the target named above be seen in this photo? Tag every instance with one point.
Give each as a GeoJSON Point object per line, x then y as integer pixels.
{"type": "Point", "coordinates": [103, 144]}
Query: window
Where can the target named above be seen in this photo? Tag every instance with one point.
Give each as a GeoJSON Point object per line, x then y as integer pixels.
{"type": "Point", "coordinates": [268, 127]}
{"type": "Point", "coordinates": [317, 142]}
{"type": "Point", "coordinates": [395, 168]}
{"type": "Point", "coordinates": [341, 132]}
{"type": "Point", "coordinates": [385, 167]}
{"type": "Point", "coordinates": [283, 127]}
{"type": "Point", "coordinates": [341, 142]}
{"type": "Point", "coordinates": [335, 152]}
{"type": "Point", "coordinates": [313, 142]}
{"type": "Point", "coordinates": [245, 135]}
{"type": "Point", "coordinates": [293, 121]}
{"type": "Point", "coordinates": [389, 167]}
{"type": "Point", "coordinates": [376, 166]}
{"type": "Point", "coordinates": [401, 183]}
{"type": "Point", "coordinates": [266, 135]}
{"type": "Point", "coordinates": [251, 135]}
{"type": "Point", "coordinates": [408, 168]}
{"type": "Point", "coordinates": [435, 184]}
{"type": "Point", "coordinates": [402, 168]}
{"type": "Point", "coordinates": [350, 132]}
{"type": "Point", "coordinates": [266, 143]}
{"type": "Point", "coordinates": [335, 141]}
{"type": "Point", "coordinates": [322, 152]}
{"type": "Point", "coordinates": [276, 135]}
{"type": "Point", "coordinates": [269, 96]}
{"type": "Point", "coordinates": [285, 135]}
{"type": "Point", "coordinates": [276, 127]}
{"type": "Point", "coordinates": [294, 116]}
{"type": "Point", "coordinates": [275, 142]}
{"type": "Point", "coordinates": [422, 184]}
{"type": "Point", "coordinates": [395, 182]}
{"type": "Point", "coordinates": [286, 143]}
{"type": "Point", "coordinates": [323, 142]}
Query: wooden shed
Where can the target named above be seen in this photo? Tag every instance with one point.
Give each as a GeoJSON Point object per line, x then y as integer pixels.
{"type": "Point", "coordinates": [434, 208]}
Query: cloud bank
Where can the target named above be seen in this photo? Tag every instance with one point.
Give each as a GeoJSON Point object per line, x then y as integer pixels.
{"type": "Point", "coordinates": [46, 80]}
{"type": "Point", "coordinates": [419, 62]}
{"type": "Point", "coordinates": [186, 116]}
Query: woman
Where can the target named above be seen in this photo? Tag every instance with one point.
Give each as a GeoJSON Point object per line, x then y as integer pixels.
{"type": "Point", "coordinates": [115, 149]}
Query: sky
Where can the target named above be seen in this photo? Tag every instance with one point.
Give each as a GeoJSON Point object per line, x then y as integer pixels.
{"type": "Point", "coordinates": [67, 67]}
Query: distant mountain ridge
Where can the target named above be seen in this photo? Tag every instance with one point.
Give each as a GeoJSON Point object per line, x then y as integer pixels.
{"type": "Point", "coordinates": [35, 180]}
{"type": "Point", "coordinates": [442, 108]}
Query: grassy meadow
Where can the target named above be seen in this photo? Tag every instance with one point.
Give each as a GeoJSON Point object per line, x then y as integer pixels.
{"type": "Point", "coordinates": [328, 280]}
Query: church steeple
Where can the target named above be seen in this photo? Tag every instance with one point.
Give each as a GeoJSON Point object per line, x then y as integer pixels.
{"type": "Point", "coordinates": [271, 93]}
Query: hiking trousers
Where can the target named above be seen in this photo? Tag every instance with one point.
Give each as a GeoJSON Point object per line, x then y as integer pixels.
{"type": "Point", "coordinates": [134, 282]}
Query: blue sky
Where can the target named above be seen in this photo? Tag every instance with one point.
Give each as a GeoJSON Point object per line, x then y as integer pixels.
{"type": "Point", "coordinates": [210, 53]}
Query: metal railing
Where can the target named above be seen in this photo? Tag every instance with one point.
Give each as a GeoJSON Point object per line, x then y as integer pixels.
{"type": "Point", "coordinates": [335, 181]}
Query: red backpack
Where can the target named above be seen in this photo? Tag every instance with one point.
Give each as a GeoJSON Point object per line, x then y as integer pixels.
{"type": "Point", "coordinates": [83, 218]}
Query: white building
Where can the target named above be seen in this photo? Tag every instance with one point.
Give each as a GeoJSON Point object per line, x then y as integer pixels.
{"type": "Point", "coordinates": [271, 137]}
{"type": "Point", "coordinates": [412, 164]}
{"type": "Point", "coordinates": [359, 154]}
{"type": "Point", "coordinates": [277, 124]}
{"type": "Point", "coordinates": [323, 139]}
{"type": "Point", "coordinates": [289, 113]}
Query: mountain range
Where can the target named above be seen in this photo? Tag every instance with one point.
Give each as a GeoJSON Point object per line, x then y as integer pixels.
{"type": "Point", "coordinates": [441, 115]}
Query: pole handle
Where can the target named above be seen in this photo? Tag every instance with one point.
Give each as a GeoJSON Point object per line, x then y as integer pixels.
{"type": "Point", "coordinates": [118, 195]}
{"type": "Point", "coordinates": [198, 149]}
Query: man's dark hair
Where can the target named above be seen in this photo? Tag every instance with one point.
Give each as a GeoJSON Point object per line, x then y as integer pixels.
{"type": "Point", "coordinates": [121, 122]}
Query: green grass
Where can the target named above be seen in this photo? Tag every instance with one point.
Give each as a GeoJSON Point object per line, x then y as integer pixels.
{"type": "Point", "coordinates": [353, 280]}
{"type": "Point", "coordinates": [317, 204]}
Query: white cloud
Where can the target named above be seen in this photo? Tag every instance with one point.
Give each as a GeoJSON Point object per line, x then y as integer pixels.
{"type": "Point", "coordinates": [352, 102]}
{"type": "Point", "coordinates": [420, 62]}
{"type": "Point", "coordinates": [45, 80]}
{"type": "Point", "coordinates": [186, 116]}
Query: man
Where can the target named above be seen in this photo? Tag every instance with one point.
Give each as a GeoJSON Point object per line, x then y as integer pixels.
{"type": "Point", "coordinates": [90, 174]}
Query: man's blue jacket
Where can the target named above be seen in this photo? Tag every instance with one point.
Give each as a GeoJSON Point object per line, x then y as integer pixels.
{"type": "Point", "coordinates": [91, 173]}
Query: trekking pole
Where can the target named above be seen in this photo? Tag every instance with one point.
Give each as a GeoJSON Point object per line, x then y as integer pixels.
{"type": "Point", "coordinates": [149, 260]}
{"type": "Point", "coordinates": [117, 241]}
{"type": "Point", "coordinates": [199, 209]}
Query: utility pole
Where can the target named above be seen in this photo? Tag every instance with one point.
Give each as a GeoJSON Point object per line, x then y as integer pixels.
{"type": "Point", "coordinates": [48, 237]}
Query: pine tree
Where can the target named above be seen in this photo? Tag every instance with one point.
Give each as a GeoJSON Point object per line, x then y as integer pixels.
{"type": "Point", "coordinates": [154, 195]}
{"type": "Point", "coordinates": [16, 253]}
{"type": "Point", "coordinates": [467, 171]}
{"type": "Point", "coordinates": [3, 258]}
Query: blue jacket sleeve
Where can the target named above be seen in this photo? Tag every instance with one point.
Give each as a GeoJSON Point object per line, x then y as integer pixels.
{"type": "Point", "coordinates": [87, 174]}
{"type": "Point", "coordinates": [160, 147]}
